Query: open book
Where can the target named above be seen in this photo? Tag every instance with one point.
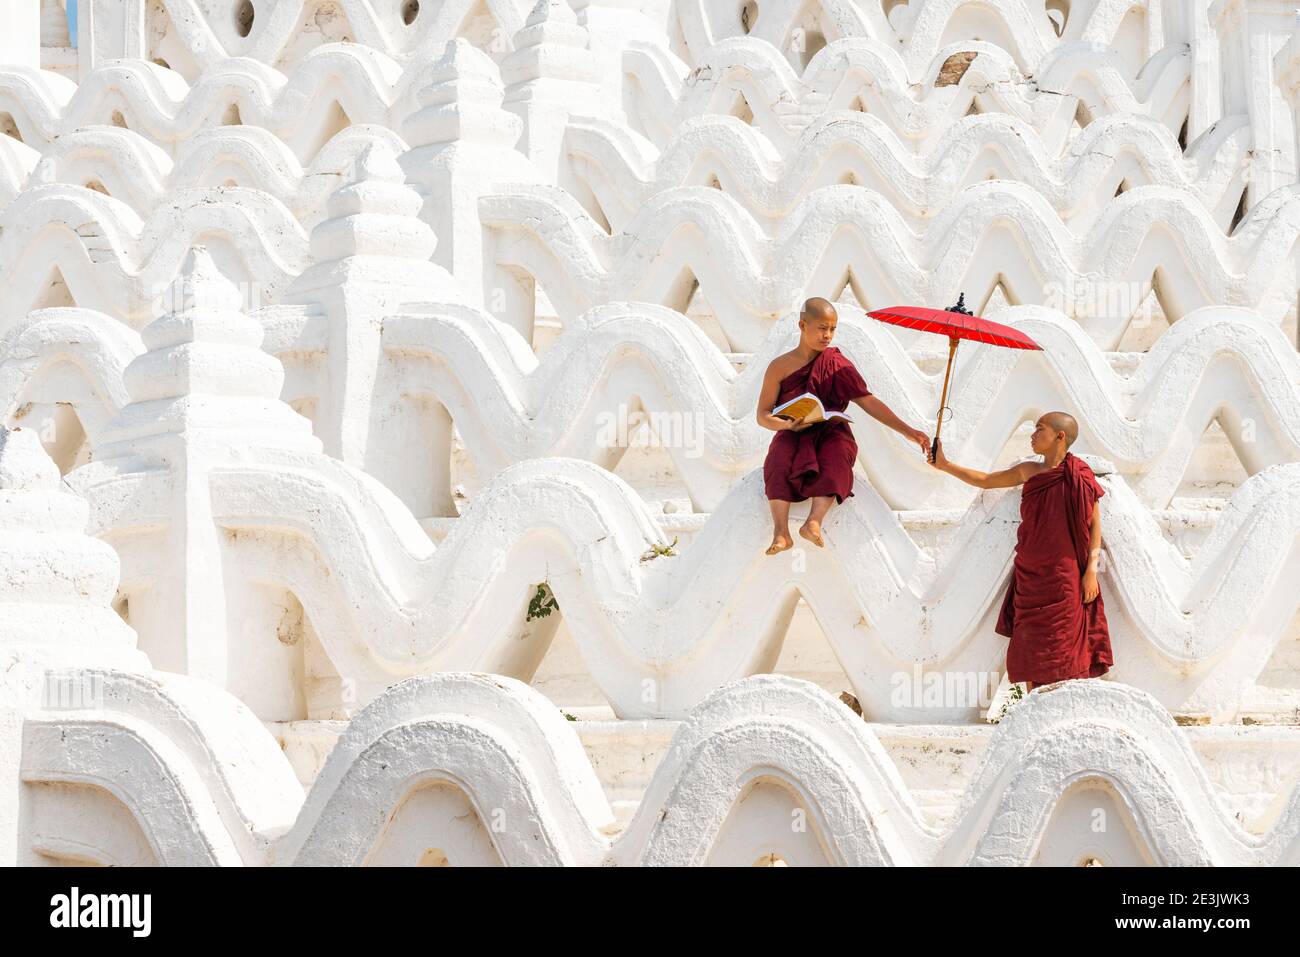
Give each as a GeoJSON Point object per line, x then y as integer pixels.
{"type": "Point", "coordinates": [802, 405]}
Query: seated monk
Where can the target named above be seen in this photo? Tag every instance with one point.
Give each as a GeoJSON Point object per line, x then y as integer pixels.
{"type": "Point", "coordinates": [1053, 611]}
{"type": "Point", "coordinates": [815, 459]}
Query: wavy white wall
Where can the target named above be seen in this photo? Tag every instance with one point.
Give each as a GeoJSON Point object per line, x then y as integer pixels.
{"type": "Point", "coordinates": [334, 316]}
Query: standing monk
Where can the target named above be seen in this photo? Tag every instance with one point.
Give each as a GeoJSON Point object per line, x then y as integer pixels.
{"type": "Point", "coordinates": [814, 459]}
{"type": "Point", "coordinates": [1053, 611]}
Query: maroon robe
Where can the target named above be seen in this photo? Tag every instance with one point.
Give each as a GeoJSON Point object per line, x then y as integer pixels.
{"type": "Point", "coordinates": [1054, 634]}
{"type": "Point", "coordinates": [817, 460]}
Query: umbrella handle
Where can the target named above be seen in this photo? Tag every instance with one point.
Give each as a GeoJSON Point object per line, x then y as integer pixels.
{"type": "Point", "coordinates": [943, 401]}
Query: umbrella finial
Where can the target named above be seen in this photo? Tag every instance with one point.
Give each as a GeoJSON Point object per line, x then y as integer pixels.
{"type": "Point", "coordinates": [961, 305]}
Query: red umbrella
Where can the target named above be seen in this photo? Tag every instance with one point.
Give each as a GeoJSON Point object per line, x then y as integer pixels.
{"type": "Point", "coordinates": [956, 323]}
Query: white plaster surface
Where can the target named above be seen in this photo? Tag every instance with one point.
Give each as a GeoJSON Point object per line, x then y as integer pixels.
{"type": "Point", "coordinates": [320, 335]}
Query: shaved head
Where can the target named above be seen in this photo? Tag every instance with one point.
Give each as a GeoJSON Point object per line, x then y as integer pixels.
{"type": "Point", "coordinates": [1062, 422]}
{"type": "Point", "coordinates": [818, 308]}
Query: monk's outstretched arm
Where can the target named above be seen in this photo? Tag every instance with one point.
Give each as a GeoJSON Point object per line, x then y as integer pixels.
{"type": "Point", "coordinates": [886, 417]}
{"type": "Point", "coordinates": [1016, 475]}
{"type": "Point", "coordinates": [1090, 586]}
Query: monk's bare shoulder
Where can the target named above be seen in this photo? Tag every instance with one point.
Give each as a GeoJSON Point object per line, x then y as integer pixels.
{"type": "Point", "coordinates": [1029, 469]}
{"type": "Point", "coordinates": [782, 366]}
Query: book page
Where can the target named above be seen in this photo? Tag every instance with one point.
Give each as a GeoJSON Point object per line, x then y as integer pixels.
{"type": "Point", "coordinates": [802, 405]}
{"type": "Point", "coordinates": [799, 407]}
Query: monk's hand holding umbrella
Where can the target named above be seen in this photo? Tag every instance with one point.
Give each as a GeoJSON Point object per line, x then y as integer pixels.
{"type": "Point", "coordinates": [957, 323]}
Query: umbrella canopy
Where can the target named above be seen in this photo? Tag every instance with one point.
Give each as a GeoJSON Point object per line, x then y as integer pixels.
{"type": "Point", "coordinates": [956, 323]}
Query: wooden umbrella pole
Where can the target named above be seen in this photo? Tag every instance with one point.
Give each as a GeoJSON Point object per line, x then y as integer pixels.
{"type": "Point", "coordinates": [943, 401]}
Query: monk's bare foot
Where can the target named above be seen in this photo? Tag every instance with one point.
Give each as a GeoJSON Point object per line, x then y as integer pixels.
{"type": "Point", "coordinates": [780, 542]}
{"type": "Point", "coordinates": [812, 531]}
